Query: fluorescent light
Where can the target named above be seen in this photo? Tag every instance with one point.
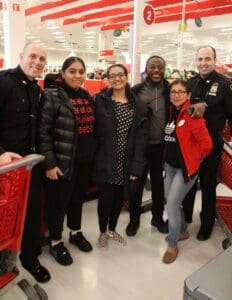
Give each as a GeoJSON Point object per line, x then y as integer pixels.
{"type": "Point", "coordinates": [57, 32]}
{"type": "Point", "coordinates": [52, 27]}
{"type": "Point", "coordinates": [226, 29]}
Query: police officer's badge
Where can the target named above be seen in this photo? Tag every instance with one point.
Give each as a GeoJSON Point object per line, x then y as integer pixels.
{"type": "Point", "coordinates": [213, 89]}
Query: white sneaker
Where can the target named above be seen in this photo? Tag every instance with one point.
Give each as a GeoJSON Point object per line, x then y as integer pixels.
{"type": "Point", "coordinates": [102, 241]}
{"type": "Point", "coordinates": [114, 235]}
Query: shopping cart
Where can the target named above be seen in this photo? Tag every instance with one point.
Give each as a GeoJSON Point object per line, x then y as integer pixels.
{"type": "Point", "coordinates": [14, 189]}
{"type": "Point", "coordinates": [224, 203]}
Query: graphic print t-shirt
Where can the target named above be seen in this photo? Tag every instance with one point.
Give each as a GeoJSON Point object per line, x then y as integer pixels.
{"type": "Point", "coordinates": [84, 114]}
{"type": "Point", "coordinates": [172, 157]}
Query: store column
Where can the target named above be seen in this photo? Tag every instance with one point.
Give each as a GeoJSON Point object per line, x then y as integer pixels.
{"type": "Point", "coordinates": [181, 35]}
{"type": "Point", "coordinates": [14, 31]}
{"type": "Point", "coordinates": [105, 50]}
{"type": "Point", "coordinates": [135, 38]}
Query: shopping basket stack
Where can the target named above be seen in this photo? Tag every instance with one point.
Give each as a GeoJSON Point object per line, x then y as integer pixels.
{"type": "Point", "coordinates": [224, 203]}
{"type": "Point", "coordinates": [14, 188]}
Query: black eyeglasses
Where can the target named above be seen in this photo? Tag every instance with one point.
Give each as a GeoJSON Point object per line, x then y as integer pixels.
{"type": "Point", "coordinates": [179, 93]}
{"type": "Point", "coordinates": [114, 76]}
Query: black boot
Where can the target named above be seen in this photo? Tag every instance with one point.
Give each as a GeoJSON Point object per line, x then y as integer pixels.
{"type": "Point", "coordinates": [160, 224]}
{"type": "Point", "coordinates": [132, 228]}
{"type": "Point", "coordinates": [206, 228]}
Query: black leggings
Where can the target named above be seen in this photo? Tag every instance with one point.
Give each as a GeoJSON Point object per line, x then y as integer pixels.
{"type": "Point", "coordinates": [66, 197]}
{"type": "Point", "coordinates": [109, 205]}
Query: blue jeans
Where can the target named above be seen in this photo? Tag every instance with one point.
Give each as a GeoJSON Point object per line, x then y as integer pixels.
{"type": "Point", "coordinates": [175, 190]}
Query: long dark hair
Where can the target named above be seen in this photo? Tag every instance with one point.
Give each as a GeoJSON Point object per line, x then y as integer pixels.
{"type": "Point", "coordinates": [68, 61]}
{"type": "Point", "coordinates": [128, 91]}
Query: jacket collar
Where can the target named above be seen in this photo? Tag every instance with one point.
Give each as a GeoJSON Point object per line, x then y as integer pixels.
{"type": "Point", "coordinates": [21, 76]}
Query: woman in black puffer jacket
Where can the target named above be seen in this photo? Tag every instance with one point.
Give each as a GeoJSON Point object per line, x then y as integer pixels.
{"type": "Point", "coordinates": [66, 140]}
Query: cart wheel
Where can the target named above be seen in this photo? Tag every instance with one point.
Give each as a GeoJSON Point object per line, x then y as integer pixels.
{"type": "Point", "coordinates": [28, 289]}
{"type": "Point", "coordinates": [42, 294]}
{"type": "Point", "coordinates": [226, 243]}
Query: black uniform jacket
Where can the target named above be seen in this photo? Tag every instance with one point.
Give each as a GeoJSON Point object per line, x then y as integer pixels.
{"type": "Point", "coordinates": [19, 102]}
{"type": "Point", "coordinates": [216, 91]}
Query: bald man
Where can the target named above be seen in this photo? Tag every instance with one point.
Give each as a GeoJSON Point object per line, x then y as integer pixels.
{"type": "Point", "coordinates": [19, 103]}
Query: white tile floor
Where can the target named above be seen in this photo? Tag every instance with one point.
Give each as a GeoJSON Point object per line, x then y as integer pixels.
{"type": "Point", "coordinates": [131, 272]}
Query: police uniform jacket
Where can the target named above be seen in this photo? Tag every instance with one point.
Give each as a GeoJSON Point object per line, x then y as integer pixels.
{"type": "Point", "coordinates": [19, 102]}
{"type": "Point", "coordinates": [216, 92]}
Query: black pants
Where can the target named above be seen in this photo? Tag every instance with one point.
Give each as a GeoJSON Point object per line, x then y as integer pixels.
{"type": "Point", "coordinates": [208, 183]}
{"type": "Point", "coordinates": [66, 197]}
{"type": "Point", "coordinates": [31, 248]}
{"type": "Point", "coordinates": [155, 167]}
{"type": "Point", "coordinates": [109, 205]}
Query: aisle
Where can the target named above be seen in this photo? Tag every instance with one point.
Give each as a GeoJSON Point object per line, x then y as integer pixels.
{"type": "Point", "coordinates": [131, 272]}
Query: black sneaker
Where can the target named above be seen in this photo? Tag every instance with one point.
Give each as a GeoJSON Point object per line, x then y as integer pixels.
{"type": "Point", "coordinates": [80, 241]}
{"type": "Point", "coordinates": [132, 228]}
{"type": "Point", "coordinates": [61, 254]}
{"type": "Point", "coordinates": [39, 272]}
{"type": "Point", "coordinates": [161, 225]}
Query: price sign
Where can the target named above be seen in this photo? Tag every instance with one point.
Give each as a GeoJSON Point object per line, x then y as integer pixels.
{"type": "Point", "coordinates": [148, 15]}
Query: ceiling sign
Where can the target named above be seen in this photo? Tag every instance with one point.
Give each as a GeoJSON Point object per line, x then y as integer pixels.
{"type": "Point", "coordinates": [106, 52]}
{"type": "Point", "coordinates": [148, 15]}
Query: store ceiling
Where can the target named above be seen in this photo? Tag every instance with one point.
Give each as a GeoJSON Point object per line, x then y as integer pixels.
{"type": "Point", "coordinates": [75, 24]}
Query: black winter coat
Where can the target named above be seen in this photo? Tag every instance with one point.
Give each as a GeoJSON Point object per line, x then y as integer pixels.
{"type": "Point", "coordinates": [105, 159]}
{"type": "Point", "coordinates": [58, 130]}
{"type": "Point", "coordinates": [19, 105]}
{"type": "Point", "coordinates": [166, 93]}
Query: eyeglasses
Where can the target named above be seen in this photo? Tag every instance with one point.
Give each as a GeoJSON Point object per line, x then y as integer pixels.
{"type": "Point", "coordinates": [179, 93]}
{"type": "Point", "coordinates": [114, 76]}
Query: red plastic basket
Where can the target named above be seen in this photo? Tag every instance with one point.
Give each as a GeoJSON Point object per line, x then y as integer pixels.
{"type": "Point", "coordinates": [14, 188]}
{"type": "Point", "coordinates": [225, 167]}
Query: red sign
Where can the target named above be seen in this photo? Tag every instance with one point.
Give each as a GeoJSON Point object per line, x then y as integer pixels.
{"type": "Point", "coordinates": [106, 52]}
{"type": "Point", "coordinates": [112, 62]}
{"type": "Point", "coordinates": [16, 7]}
{"type": "Point", "coordinates": [148, 15]}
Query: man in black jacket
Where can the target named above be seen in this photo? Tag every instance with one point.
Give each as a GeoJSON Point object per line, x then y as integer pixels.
{"type": "Point", "coordinates": [153, 92]}
{"type": "Point", "coordinates": [19, 101]}
{"type": "Point", "coordinates": [213, 91]}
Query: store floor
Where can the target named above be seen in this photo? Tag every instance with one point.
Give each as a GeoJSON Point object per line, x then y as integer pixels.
{"type": "Point", "coordinates": [131, 272]}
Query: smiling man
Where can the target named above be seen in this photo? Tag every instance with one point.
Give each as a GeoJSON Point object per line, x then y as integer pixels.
{"type": "Point", "coordinates": [153, 93]}
{"type": "Point", "coordinates": [213, 91]}
{"type": "Point", "coordinates": [19, 102]}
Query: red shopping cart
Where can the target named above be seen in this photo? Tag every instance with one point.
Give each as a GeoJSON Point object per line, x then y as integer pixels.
{"type": "Point", "coordinates": [224, 203]}
{"type": "Point", "coordinates": [14, 188]}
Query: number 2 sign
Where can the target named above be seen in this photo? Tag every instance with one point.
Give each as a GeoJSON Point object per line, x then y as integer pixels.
{"type": "Point", "coordinates": [148, 15]}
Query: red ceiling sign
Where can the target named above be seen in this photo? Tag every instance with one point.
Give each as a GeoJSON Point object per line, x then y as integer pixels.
{"type": "Point", "coordinates": [106, 52]}
{"type": "Point", "coordinates": [148, 15]}
{"type": "Point", "coordinates": [16, 7]}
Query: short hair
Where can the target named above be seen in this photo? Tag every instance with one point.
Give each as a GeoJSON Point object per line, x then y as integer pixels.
{"type": "Point", "coordinates": [31, 43]}
{"type": "Point", "coordinates": [208, 46]}
{"type": "Point", "coordinates": [182, 82]}
{"type": "Point", "coordinates": [154, 56]}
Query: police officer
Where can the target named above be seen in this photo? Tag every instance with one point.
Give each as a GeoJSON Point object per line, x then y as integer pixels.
{"type": "Point", "coordinates": [19, 100]}
{"type": "Point", "coordinates": [213, 91]}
